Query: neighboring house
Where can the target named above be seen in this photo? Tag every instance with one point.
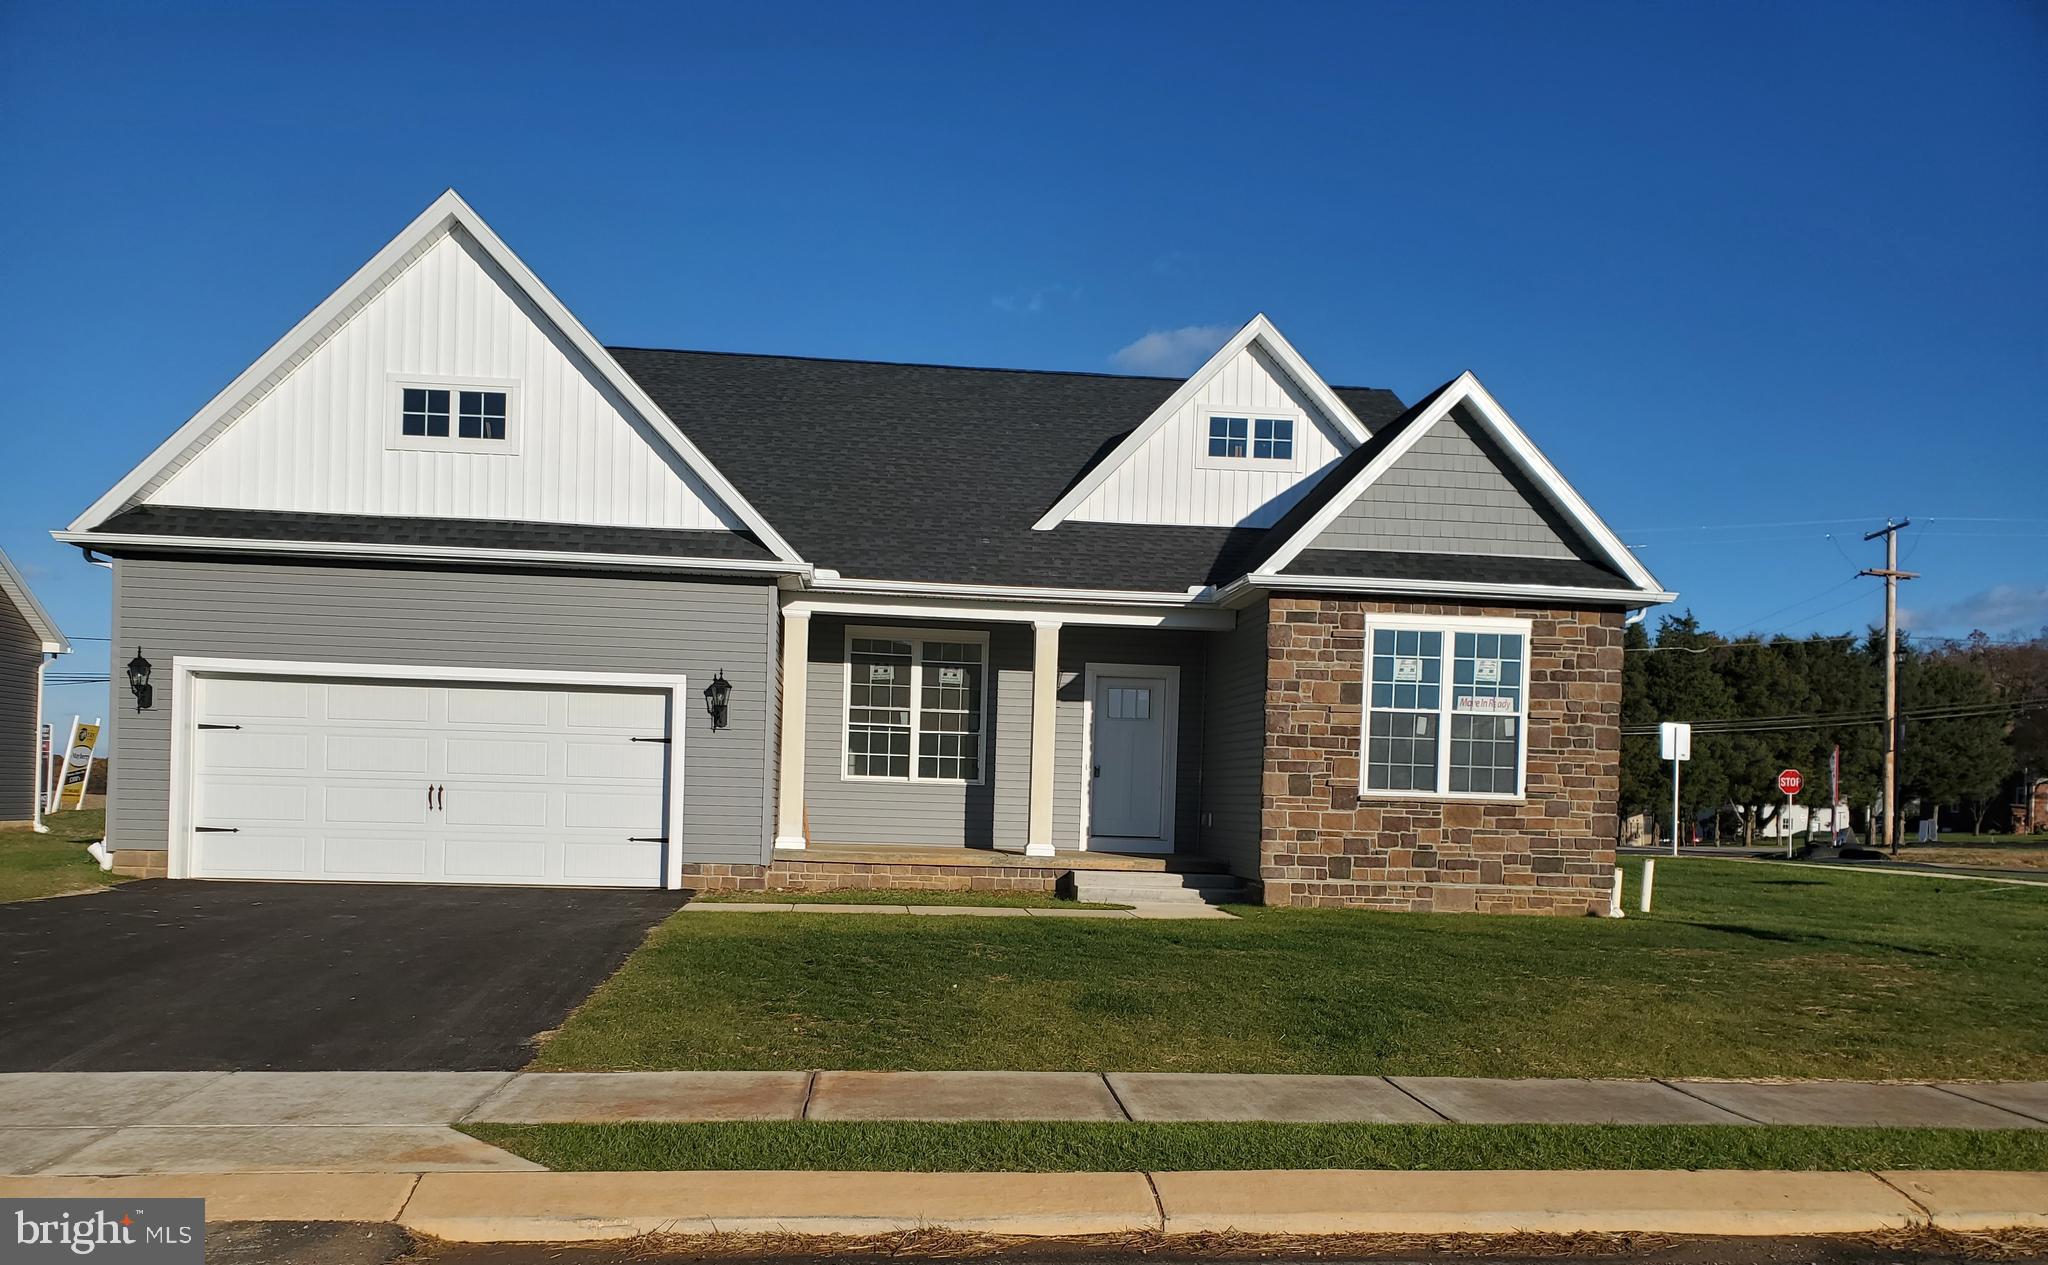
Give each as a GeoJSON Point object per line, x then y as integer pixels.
{"type": "Point", "coordinates": [27, 637]}
{"type": "Point", "coordinates": [435, 592]}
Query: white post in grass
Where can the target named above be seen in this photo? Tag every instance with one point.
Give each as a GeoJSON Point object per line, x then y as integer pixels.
{"type": "Point", "coordinates": [1614, 895]}
{"type": "Point", "coordinates": [1649, 880]}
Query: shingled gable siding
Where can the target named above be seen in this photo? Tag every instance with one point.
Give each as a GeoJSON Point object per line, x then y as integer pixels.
{"type": "Point", "coordinates": [1324, 845]}
{"type": "Point", "coordinates": [473, 619]}
{"type": "Point", "coordinates": [1453, 492]}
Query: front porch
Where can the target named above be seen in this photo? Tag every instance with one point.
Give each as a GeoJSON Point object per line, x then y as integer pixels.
{"type": "Point", "coordinates": [998, 747]}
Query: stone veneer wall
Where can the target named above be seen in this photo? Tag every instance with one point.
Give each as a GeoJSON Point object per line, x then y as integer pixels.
{"type": "Point", "coordinates": [1322, 844]}
{"type": "Point", "coordinates": [826, 876]}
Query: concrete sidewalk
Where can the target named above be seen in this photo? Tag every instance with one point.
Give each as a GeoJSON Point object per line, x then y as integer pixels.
{"type": "Point", "coordinates": [127, 1123]}
{"type": "Point", "coordinates": [564, 1207]}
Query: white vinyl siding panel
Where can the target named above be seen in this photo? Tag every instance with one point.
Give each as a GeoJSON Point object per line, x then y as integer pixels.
{"type": "Point", "coordinates": [1454, 492]}
{"type": "Point", "coordinates": [21, 650]}
{"type": "Point", "coordinates": [1171, 480]}
{"type": "Point", "coordinates": [465, 619]}
{"type": "Point", "coordinates": [320, 440]}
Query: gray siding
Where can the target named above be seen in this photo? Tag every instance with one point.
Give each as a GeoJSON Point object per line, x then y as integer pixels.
{"type": "Point", "coordinates": [1080, 647]}
{"type": "Point", "coordinates": [20, 651]}
{"type": "Point", "coordinates": [537, 621]}
{"type": "Point", "coordinates": [1454, 492]}
{"type": "Point", "coordinates": [1234, 747]}
{"type": "Point", "coordinates": [997, 812]}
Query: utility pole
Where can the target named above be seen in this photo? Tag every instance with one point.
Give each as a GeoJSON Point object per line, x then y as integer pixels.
{"type": "Point", "coordinates": [1891, 575]}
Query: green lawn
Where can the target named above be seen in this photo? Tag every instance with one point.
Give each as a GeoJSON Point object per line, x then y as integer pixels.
{"type": "Point", "coordinates": [1744, 970]}
{"type": "Point", "coordinates": [899, 896]}
{"type": "Point", "coordinates": [1116, 1148]}
{"type": "Point", "coordinates": [33, 865]}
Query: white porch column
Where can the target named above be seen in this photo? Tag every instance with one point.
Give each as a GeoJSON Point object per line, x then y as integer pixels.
{"type": "Point", "coordinates": [789, 793]}
{"type": "Point", "coordinates": [1045, 685]}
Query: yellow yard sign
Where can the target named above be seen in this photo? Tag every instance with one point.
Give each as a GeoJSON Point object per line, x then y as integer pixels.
{"type": "Point", "coordinates": [77, 769]}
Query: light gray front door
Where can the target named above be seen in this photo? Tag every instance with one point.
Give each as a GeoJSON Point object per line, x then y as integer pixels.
{"type": "Point", "coordinates": [1130, 754]}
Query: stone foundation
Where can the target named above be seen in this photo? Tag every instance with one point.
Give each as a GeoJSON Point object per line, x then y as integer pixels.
{"type": "Point", "coordinates": [141, 863]}
{"type": "Point", "coordinates": [825, 876]}
{"type": "Point", "coordinates": [1550, 853]}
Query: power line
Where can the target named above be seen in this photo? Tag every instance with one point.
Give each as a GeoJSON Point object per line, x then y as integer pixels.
{"type": "Point", "coordinates": [1766, 724]}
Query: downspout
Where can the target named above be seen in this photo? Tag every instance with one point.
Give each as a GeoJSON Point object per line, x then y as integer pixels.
{"type": "Point", "coordinates": [42, 756]}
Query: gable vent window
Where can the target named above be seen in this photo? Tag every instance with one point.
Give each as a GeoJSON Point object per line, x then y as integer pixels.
{"type": "Point", "coordinates": [1252, 438]}
{"type": "Point", "coordinates": [455, 416]}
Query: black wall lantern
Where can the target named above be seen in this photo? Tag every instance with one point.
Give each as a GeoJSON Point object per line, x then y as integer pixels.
{"type": "Point", "coordinates": [716, 696]}
{"type": "Point", "coordinates": [138, 681]}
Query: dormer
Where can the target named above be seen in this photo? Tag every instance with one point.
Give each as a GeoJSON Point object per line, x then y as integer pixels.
{"type": "Point", "coordinates": [1234, 446]}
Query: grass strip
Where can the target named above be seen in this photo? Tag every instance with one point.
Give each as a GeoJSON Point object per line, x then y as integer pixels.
{"type": "Point", "coordinates": [898, 896]}
{"type": "Point", "coordinates": [988, 1146]}
{"type": "Point", "coordinates": [33, 866]}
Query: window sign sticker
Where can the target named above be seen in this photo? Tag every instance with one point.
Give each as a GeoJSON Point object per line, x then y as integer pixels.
{"type": "Point", "coordinates": [881, 674]}
{"type": "Point", "coordinates": [953, 676]}
{"type": "Point", "coordinates": [1481, 703]}
{"type": "Point", "coordinates": [1407, 671]}
{"type": "Point", "coordinates": [1507, 728]}
{"type": "Point", "coordinates": [1486, 672]}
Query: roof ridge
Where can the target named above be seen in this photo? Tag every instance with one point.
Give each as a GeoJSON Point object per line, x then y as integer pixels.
{"type": "Point", "coordinates": [931, 364]}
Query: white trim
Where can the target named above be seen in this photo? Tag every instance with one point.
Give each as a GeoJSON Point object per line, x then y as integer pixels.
{"type": "Point", "coordinates": [185, 668]}
{"type": "Point", "coordinates": [447, 211]}
{"type": "Point", "coordinates": [1259, 330]}
{"type": "Point", "coordinates": [1238, 592]}
{"type": "Point", "coordinates": [1449, 626]}
{"type": "Point", "coordinates": [1465, 388]}
{"type": "Point", "coordinates": [15, 587]}
{"type": "Point", "coordinates": [1200, 615]}
{"type": "Point", "coordinates": [393, 420]}
{"type": "Point", "coordinates": [1169, 772]}
{"type": "Point", "coordinates": [1252, 416]}
{"type": "Point", "coordinates": [916, 637]}
{"type": "Point", "coordinates": [416, 553]}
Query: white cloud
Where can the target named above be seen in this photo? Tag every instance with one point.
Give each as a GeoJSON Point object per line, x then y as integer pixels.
{"type": "Point", "coordinates": [2001, 608]}
{"type": "Point", "coordinates": [1172, 350]}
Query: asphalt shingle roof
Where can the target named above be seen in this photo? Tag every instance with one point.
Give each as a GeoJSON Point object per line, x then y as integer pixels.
{"type": "Point", "coordinates": [1466, 568]}
{"type": "Point", "coordinates": [935, 473]}
{"type": "Point", "coordinates": [381, 529]}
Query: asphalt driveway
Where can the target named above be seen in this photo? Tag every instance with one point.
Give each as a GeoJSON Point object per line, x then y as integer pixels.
{"type": "Point", "coordinates": [172, 975]}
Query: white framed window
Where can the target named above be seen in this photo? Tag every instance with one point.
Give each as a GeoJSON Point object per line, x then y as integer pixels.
{"type": "Point", "coordinates": [916, 705]}
{"type": "Point", "coordinates": [1446, 708]}
{"type": "Point", "coordinates": [454, 415]}
{"type": "Point", "coordinates": [1251, 439]}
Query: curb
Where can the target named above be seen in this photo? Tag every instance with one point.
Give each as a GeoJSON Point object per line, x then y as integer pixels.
{"type": "Point", "coordinates": [569, 1207]}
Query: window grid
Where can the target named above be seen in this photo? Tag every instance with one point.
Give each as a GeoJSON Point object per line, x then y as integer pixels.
{"type": "Point", "coordinates": [481, 416]}
{"type": "Point", "coordinates": [945, 677]}
{"type": "Point", "coordinates": [425, 413]}
{"type": "Point", "coordinates": [1464, 740]}
{"type": "Point", "coordinates": [1254, 438]}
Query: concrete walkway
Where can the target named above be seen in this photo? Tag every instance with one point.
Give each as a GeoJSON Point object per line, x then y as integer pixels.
{"type": "Point", "coordinates": [1161, 910]}
{"type": "Point", "coordinates": [126, 1123]}
{"type": "Point", "coordinates": [564, 1207]}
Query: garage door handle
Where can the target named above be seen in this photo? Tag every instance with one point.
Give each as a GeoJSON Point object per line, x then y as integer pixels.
{"type": "Point", "coordinates": [204, 725]}
{"type": "Point", "coordinates": [647, 740]}
{"type": "Point", "coordinates": [216, 830]}
{"type": "Point", "coordinates": [647, 839]}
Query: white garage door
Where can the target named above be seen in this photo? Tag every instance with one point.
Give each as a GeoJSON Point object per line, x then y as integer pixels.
{"type": "Point", "coordinates": [400, 781]}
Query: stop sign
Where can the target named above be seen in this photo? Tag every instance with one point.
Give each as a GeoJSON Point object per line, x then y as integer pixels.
{"type": "Point", "coordinates": [1789, 781]}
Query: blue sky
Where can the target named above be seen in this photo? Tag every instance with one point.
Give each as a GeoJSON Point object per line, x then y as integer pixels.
{"type": "Point", "coordinates": [1729, 264]}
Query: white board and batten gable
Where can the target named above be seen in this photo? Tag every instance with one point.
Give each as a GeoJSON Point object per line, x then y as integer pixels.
{"type": "Point", "coordinates": [315, 426]}
{"type": "Point", "coordinates": [1163, 473]}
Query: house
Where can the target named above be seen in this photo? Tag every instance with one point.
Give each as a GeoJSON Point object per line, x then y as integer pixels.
{"type": "Point", "coordinates": [442, 590]}
{"type": "Point", "coordinates": [28, 636]}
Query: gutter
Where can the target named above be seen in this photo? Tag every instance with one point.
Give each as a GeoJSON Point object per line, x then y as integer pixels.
{"type": "Point", "coordinates": [89, 541]}
{"type": "Point", "coordinates": [1245, 586]}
